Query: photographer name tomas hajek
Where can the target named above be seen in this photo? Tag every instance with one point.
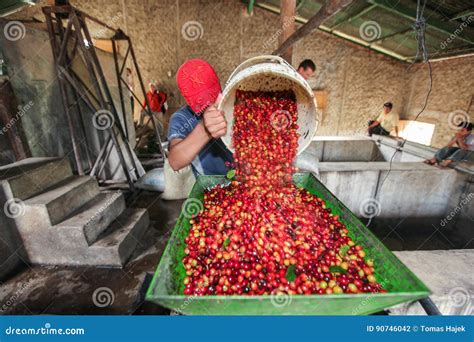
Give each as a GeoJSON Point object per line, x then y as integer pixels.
{"type": "Point", "coordinates": [443, 329]}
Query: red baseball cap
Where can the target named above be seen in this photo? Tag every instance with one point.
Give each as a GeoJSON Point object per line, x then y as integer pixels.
{"type": "Point", "coordinates": [198, 83]}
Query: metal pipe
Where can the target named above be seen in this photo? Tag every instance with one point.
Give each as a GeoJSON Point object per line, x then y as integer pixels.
{"type": "Point", "coordinates": [101, 75]}
{"type": "Point", "coordinates": [119, 84]}
{"type": "Point", "coordinates": [430, 308]}
{"type": "Point", "coordinates": [62, 88]}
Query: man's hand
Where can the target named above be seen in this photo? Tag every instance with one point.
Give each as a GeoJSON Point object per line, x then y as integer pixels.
{"type": "Point", "coordinates": [214, 120]}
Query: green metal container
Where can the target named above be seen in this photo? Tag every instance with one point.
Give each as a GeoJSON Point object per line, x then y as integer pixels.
{"type": "Point", "coordinates": [402, 285]}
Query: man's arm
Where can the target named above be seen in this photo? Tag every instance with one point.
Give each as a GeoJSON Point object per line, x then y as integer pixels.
{"type": "Point", "coordinates": [461, 143]}
{"type": "Point", "coordinates": [183, 151]}
{"type": "Point", "coordinates": [453, 141]}
{"type": "Point", "coordinates": [375, 123]}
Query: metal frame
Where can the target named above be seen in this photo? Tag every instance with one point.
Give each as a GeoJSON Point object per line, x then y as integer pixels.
{"type": "Point", "coordinates": [398, 9]}
{"type": "Point", "coordinates": [67, 27]}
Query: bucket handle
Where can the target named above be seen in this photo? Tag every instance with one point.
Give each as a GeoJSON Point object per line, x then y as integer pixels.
{"type": "Point", "coordinates": [258, 59]}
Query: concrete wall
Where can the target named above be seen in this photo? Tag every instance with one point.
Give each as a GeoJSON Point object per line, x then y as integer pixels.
{"type": "Point", "coordinates": [453, 84]}
{"type": "Point", "coordinates": [358, 81]}
{"type": "Point", "coordinates": [406, 194]}
{"type": "Point", "coordinates": [412, 189]}
{"type": "Point", "coordinates": [344, 149]}
{"type": "Point", "coordinates": [31, 72]}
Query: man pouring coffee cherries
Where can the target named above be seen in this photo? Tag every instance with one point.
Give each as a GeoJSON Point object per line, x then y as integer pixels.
{"type": "Point", "coordinates": [195, 130]}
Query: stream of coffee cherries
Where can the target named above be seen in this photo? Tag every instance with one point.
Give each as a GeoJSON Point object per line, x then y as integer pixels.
{"type": "Point", "coordinates": [261, 234]}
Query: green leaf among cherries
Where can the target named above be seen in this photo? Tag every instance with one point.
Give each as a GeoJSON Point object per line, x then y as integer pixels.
{"type": "Point", "coordinates": [226, 242]}
{"type": "Point", "coordinates": [290, 273]}
{"type": "Point", "coordinates": [230, 174]}
{"type": "Point", "coordinates": [337, 269]}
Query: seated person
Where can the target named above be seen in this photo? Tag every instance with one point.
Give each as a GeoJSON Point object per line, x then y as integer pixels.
{"type": "Point", "coordinates": [385, 122]}
{"type": "Point", "coordinates": [450, 153]}
{"type": "Point", "coordinates": [195, 130]}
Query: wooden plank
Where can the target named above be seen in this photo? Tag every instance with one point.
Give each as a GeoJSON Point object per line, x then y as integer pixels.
{"type": "Point", "coordinates": [330, 8]}
{"type": "Point", "coordinates": [287, 25]}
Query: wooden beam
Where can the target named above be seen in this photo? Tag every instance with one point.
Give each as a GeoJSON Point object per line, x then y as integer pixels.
{"type": "Point", "coordinates": [462, 14]}
{"type": "Point", "coordinates": [330, 8]}
{"type": "Point", "coordinates": [287, 25]}
{"type": "Point", "coordinates": [352, 39]}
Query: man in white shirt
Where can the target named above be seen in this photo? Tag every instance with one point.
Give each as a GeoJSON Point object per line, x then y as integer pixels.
{"type": "Point", "coordinates": [386, 122]}
{"type": "Point", "coordinates": [306, 68]}
{"type": "Point", "coordinates": [450, 153]}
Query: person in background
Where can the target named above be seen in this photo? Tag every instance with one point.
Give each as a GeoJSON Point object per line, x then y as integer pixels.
{"type": "Point", "coordinates": [195, 130]}
{"type": "Point", "coordinates": [157, 100]}
{"type": "Point", "coordinates": [464, 139]}
{"type": "Point", "coordinates": [306, 68]}
{"type": "Point", "coordinates": [130, 85]}
{"type": "Point", "coordinates": [385, 122]}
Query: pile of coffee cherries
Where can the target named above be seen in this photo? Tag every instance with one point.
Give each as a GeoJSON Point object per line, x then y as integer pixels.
{"type": "Point", "coordinates": [262, 235]}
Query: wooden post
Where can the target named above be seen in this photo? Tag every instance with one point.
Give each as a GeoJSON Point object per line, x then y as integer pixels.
{"type": "Point", "coordinates": [287, 25]}
{"type": "Point", "coordinates": [329, 8]}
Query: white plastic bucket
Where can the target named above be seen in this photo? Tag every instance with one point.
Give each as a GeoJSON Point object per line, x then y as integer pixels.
{"type": "Point", "coordinates": [272, 73]}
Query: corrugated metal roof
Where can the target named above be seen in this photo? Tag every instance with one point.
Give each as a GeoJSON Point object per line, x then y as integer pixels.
{"type": "Point", "coordinates": [386, 26]}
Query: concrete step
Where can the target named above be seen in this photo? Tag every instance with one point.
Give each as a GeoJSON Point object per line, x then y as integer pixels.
{"type": "Point", "coordinates": [32, 176]}
{"type": "Point", "coordinates": [62, 199]}
{"type": "Point", "coordinates": [94, 217]}
{"type": "Point", "coordinates": [117, 243]}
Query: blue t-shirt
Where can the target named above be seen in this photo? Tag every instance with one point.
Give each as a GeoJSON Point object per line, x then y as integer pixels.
{"type": "Point", "coordinates": [211, 160]}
